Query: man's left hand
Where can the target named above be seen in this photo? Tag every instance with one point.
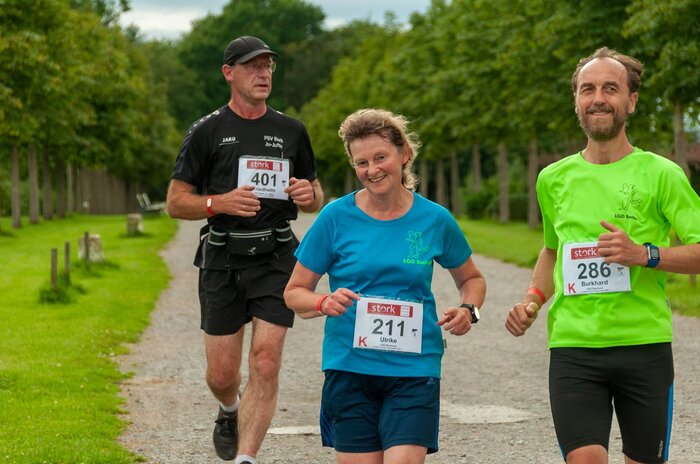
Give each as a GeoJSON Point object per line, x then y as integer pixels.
{"type": "Point", "coordinates": [300, 191]}
{"type": "Point", "coordinates": [616, 247]}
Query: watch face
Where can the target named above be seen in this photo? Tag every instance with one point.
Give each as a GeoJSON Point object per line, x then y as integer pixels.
{"type": "Point", "coordinates": [208, 202]}
{"type": "Point", "coordinates": [654, 253]}
{"type": "Point", "coordinates": [473, 310]}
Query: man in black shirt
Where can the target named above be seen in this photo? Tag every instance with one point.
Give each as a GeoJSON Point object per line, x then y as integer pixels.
{"type": "Point", "coordinates": [246, 168]}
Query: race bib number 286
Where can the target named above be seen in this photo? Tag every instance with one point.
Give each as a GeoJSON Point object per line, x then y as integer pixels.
{"type": "Point", "coordinates": [585, 271]}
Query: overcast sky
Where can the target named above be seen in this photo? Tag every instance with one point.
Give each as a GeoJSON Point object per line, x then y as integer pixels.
{"type": "Point", "coordinates": [159, 19]}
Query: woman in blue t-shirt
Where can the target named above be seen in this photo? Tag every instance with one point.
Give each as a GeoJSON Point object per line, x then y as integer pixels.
{"type": "Point", "coordinates": [383, 346]}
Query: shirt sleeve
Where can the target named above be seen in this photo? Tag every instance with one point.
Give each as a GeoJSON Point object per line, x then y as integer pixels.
{"type": "Point", "coordinates": [192, 160]}
{"type": "Point", "coordinates": [680, 204]}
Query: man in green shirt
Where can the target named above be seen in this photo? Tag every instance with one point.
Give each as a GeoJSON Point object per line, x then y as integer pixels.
{"type": "Point", "coordinates": [607, 212]}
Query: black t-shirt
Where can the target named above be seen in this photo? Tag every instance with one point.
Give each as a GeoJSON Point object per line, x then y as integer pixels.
{"type": "Point", "coordinates": [210, 154]}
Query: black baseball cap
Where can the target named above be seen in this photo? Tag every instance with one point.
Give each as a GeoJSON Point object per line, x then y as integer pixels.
{"type": "Point", "coordinates": [244, 49]}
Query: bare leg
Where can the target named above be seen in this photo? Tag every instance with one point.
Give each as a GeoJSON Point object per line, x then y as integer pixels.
{"type": "Point", "coordinates": [401, 454]}
{"type": "Point", "coordinates": [259, 399]}
{"type": "Point", "coordinates": [591, 454]}
{"type": "Point", "coordinates": [405, 454]}
{"type": "Point", "coordinates": [376, 457]}
{"type": "Point", "coordinates": [223, 372]}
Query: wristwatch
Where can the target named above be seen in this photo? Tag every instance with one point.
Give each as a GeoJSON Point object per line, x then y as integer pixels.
{"type": "Point", "coordinates": [653, 255]}
{"type": "Point", "coordinates": [209, 203]}
{"type": "Point", "coordinates": [473, 309]}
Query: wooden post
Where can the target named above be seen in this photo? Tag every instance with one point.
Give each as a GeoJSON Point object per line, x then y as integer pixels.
{"type": "Point", "coordinates": [86, 242]}
{"type": "Point", "coordinates": [54, 268]}
{"type": "Point", "coordinates": [66, 261]}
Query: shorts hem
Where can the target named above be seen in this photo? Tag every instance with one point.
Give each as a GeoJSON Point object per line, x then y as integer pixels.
{"type": "Point", "coordinates": [431, 449]}
{"type": "Point", "coordinates": [580, 444]}
{"type": "Point", "coordinates": [355, 449]}
{"type": "Point", "coordinates": [640, 458]}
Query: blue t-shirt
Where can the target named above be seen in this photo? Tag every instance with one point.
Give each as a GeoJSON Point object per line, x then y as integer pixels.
{"type": "Point", "coordinates": [390, 259]}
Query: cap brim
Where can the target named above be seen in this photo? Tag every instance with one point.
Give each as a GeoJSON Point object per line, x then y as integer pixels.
{"type": "Point", "coordinates": [249, 56]}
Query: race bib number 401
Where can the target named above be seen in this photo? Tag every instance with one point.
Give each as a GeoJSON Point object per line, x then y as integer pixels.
{"type": "Point", "coordinates": [269, 176]}
{"type": "Point", "coordinates": [388, 325]}
{"type": "Point", "coordinates": [585, 271]}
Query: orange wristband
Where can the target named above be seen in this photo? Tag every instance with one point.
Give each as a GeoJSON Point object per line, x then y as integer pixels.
{"type": "Point", "coordinates": [537, 292]}
{"type": "Point", "coordinates": [320, 301]}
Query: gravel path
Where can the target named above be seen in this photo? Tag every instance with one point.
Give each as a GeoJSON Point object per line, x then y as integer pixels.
{"type": "Point", "coordinates": [495, 407]}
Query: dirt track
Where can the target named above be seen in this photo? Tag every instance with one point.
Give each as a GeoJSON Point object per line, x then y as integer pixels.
{"type": "Point", "coordinates": [495, 407]}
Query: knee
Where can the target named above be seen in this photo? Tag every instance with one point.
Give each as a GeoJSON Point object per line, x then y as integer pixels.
{"type": "Point", "coordinates": [265, 364]}
{"type": "Point", "coordinates": [222, 377]}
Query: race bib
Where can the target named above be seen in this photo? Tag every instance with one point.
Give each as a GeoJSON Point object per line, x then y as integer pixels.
{"type": "Point", "coordinates": [586, 272]}
{"type": "Point", "coordinates": [388, 325]}
{"type": "Point", "coordinates": [269, 176]}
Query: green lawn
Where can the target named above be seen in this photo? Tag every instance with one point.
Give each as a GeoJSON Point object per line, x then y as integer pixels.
{"type": "Point", "coordinates": [489, 238]}
{"type": "Point", "coordinates": [58, 376]}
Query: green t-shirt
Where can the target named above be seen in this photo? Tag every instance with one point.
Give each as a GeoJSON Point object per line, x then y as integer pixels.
{"type": "Point", "coordinates": [645, 195]}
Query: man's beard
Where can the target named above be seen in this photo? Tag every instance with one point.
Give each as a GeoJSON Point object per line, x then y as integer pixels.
{"type": "Point", "coordinates": [599, 132]}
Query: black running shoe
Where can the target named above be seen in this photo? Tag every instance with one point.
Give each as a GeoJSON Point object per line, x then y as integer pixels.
{"type": "Point", "coordinates": [226, 435]}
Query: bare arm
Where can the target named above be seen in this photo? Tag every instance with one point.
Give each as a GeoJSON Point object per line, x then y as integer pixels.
{"type": "Point", "coordinates": [523, 314]}
{"type": "Point", "coordinates": [472, 289]}
{"type": "Point", "coordinates": [300, 295]}
{"type": "Point", "coordinates": [681, 259]}
{"type": "Point", "coordinates": [184, 203]}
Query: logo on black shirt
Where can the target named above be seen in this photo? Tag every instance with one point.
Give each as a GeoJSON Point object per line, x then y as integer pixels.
{"type": "Point", "coordinates": [228, 141]}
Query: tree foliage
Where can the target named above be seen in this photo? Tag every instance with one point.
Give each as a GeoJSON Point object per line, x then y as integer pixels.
{"type": "Point", "coordinates": [472, 76]}
{"type": "Point", "coordinates": [278, 22]}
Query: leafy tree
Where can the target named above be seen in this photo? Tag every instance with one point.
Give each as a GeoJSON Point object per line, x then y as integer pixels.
{"type": "Point", "coordinates": [355, 84]}
{"type": "Point", "coordinates": [666, 34]}
{"type": "Point", "coordinates": [278, 22]}
{"type": "Point", "coordinates": [308, 64]}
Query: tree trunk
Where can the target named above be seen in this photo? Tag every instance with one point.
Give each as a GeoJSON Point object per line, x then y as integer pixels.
{"type": "Point", "coordinates": [15, 202]}
{"type": "Point", "coordinates": [440, 194]}
{"type": "Point", "coordinates": [679, 137]}
{"type": "Point", "coordinates": [424, 175]}
{"type": "Point", "coordinates": [60, 175]}
{"type": "Point", "coordinates": [533, 211]}
{"type": "Point", "coordinates": [476, 168]}
{"type": "Point", "coordinates": [456, 202]}
{"type": "Point", "coordinates": [46, 191]}
{"type": "Point", "coordinates": [33, 179]}
{"type": "Point", "coordinates": [503, 196]}
{"type": "Point", "coordinates": [70, 189]}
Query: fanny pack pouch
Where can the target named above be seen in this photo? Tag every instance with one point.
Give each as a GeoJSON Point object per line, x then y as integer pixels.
{"type": "Point", "coordinates": [251, 243]}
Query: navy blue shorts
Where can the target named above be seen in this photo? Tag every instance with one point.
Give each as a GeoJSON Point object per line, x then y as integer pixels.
{"type": "Point", "coordinates": [586, 384]}
{"type": "Point", "coordinates": [366, 413]}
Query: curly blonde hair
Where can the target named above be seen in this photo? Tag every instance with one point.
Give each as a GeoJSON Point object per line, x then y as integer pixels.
{"type": "Point", "coordinates": [389, 126]}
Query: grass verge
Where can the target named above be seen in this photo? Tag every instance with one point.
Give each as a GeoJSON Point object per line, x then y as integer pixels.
{"type": "Point", "coordinates": [515, 243]}
{"type": "Point", "coordinates": [58, 377]}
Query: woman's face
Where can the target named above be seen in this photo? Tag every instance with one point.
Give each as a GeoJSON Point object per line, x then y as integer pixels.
{"type": "Point", "coordinates": [378, 164]}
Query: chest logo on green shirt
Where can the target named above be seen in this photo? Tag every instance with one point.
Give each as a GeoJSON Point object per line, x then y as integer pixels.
{"type": "Point", "coordinates": [629, 197]}
{"type": "Point", "coordinates": [416, 248]}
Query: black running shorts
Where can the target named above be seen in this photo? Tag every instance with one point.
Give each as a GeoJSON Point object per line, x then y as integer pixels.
{"type": "Point", "coordinates": [230, 299]}
{"type": "Point", "coordinates": [585, 384]}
